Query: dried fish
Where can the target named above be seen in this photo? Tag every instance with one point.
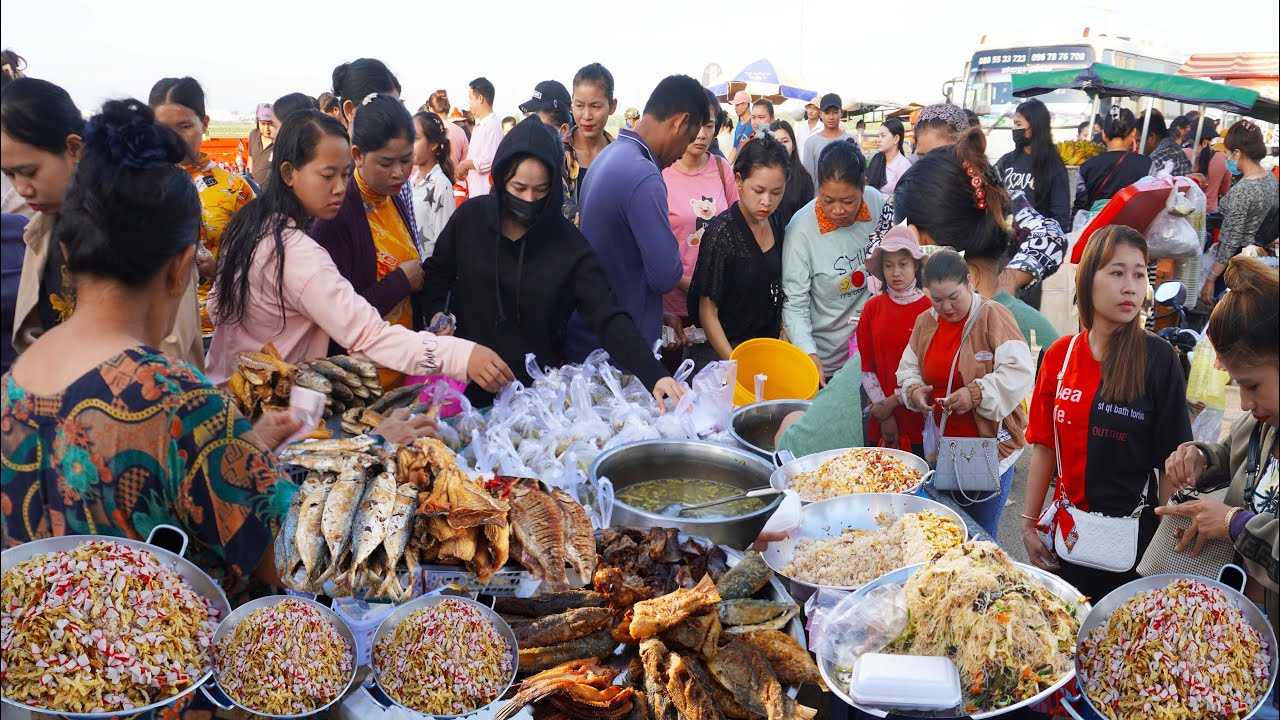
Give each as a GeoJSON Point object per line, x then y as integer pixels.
{"type": "Point", "coordinates": [746, 578]}
{"type": "Point", "coordinates": [747, 615]}
{"type": "Point", "coordinates": [549, 603]}
{"type": "Point", "coordinates": [563, 627]}
{"type": "Point", "coordinates": [597, 644]}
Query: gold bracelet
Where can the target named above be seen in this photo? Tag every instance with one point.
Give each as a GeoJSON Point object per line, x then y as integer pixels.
{"type": "Point", "coordinates": [1231, 515]}
{"type": "Point", "coordinates": [1032, 519]}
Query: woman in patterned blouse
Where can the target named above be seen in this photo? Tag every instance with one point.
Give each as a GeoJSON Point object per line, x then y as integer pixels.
{"type": "Point", "coordinates": [100, 432]}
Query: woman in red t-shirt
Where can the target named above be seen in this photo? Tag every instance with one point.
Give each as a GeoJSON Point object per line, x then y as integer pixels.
{"type": "Point", "coordinates": [883, 332]}
{"type": "Point", "coordinates": [1120, 412]}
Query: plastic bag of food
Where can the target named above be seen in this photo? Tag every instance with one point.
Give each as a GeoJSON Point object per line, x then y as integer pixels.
{"type": "Point", "coordinates": [709, 403]}
{"type": "Point", "coordinates": [1172, 236]}
{"type": "Point", "coordinates": [859, 624]}
{"type": "Point", "coordinates": [596, 497]}
{"type": "Point", "coordinates": [930, 439]}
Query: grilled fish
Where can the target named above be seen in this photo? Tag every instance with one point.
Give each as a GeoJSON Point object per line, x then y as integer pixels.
{"type": "Point", "coordinates": [399, 527]}
{"type": "Point", "coordinates": [746, 578]}
{"type": "Point", "coordinates": [537, 526]}
{"type": "Point", "coordinates": [399, 397]}
{"type": "Point", "coordinates": [747, 615]}
{"type": "Point", "coordinates": [550, 603]}
{"type": "Point", "coordinates": [580, 545]}
{"type": "Point", "coordinates": [335, 521]}
{"type": "Point", "coordinates": [312, 380]}
{"type": "Point", "coordinates": [369, 528]}
{"type": "Point", "coordinates": [654, 616]}
{"type": "Point", "coordinates": [334, 447]}
{"type": "Point", "coordinates": [363, 368]}
{"type": "Point", "coordinates": [597, 644]}
{"type": "Point", "coordinates": [326, 463]}
{"type": "Point", "coordinates": [654, 656]}
{"type": "Point", "coordinates": [566, 626]}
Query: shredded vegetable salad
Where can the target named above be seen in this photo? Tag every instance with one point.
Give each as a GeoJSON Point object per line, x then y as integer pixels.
{"type": "Point", "coordinates": [445, 659]}
{"type": "Point", "coordinates": [1009, 637]}
{"type": "Point", "coordinates": [101, 628]}
{"type": "Point", "coordinates": [285, 659]}
{"type": "Point", "coordinates": [860, 470]}
{"type": "Point", "coordinates": [1184, 651]}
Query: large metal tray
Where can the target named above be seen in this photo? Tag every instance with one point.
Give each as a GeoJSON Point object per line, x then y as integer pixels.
{"type": "Point", "coordinates": [384, 700]}
{"type": "Point", "coordinates": [1101, 613]}
{"type": "Point", "coordinates": [1053, 583]}
{"type": "Point", "coordinates": [216, 695]}
{"type": "Point", "coordinates": [201, 583]}
{"type": "Point", "coordinates": [781, 477]}
{"type": "Point", "coordinates": [827, 518]}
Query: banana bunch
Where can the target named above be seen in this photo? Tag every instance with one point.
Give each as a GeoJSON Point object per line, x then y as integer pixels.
{"type": "Point", "coordinates": [347, 382]}
{"type": "Point", "coordinates": [1075, 152]}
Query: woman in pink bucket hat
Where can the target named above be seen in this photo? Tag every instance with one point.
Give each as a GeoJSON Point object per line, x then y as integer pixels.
{"type": "Point", "coordinates": [883, 332]}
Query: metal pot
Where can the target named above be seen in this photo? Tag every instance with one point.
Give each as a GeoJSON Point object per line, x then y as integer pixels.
{"type": "Point", "coordinates": [1051, 582]}
{"type": "Point", "coordinates": [1101, 614]}
{"type": "Point", "coordinates": [828, 518]}
{"type": "Point", "coordinates": [201, 583]}
{"type": "Point", "coordinates": [754, 426]}
{"type": "Point", "coordinates": [388, 626]}
{"type": "Point", "coordinates": [216, 695]}
{"type": "Point", "coordinates": [781, 477]}
{"type": "Point", "coordinates": [694, 459]}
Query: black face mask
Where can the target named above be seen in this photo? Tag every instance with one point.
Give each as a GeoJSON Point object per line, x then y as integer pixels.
{"type": "Point", "coordinates": [1020, 139]}
{"type": "Point", "coordinates": [523, 211]}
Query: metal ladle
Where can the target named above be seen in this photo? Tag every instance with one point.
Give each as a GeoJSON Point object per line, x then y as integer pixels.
{"type": "Point", "coordinates": [678, 509]}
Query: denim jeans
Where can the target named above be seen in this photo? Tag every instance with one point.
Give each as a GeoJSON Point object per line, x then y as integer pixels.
{"type": "Point", "coordinates": [987, 512]}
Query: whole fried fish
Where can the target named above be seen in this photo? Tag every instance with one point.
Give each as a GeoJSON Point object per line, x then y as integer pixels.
{"type": "Point", "coordinates": [399, 526]}
{"type": "Point", "coordinates": [580, 540]}
{"type": "Point", "coordinates": [746, 578]}
{"type": "Point", "coordinates": [566, 626]}
{"type": "Point", "coordinates": [746, 675]}
{"type": "Point", "coordinates": [550, 603]}
{"type": "Point", "coordinates": [653, 616]}
{"type": "Point", "coordinates": [336, 521]}
{"type": "Point", "coordinates": [537, 527]}
{"type": "Point", "coordinates": [597, 644]}
{"type": "Point", "coordinates": [653, 653]}
{"type": "Point", "coordinates": [747, 615]}
{"type": "Point", "coordinates": [699, 633]}
{"type": "Point", "coordinates": [790, 662]}
{"type": "Point", "coordinates": [687, 692]}
{"type": "Point", "coordinates": [368, 529]}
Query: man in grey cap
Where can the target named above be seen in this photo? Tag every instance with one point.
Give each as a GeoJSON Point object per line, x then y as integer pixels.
{"type": "Point", "coordinates": [261, 138]}
{"type": "Point", "coordinates": [831, 108]}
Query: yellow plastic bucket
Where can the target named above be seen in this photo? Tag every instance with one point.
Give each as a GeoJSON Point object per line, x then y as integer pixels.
{"type": "Point", "coordinates": [791, 374]}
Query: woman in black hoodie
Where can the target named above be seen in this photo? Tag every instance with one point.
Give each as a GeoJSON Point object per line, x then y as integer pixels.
{"type": "Point", "coordinates": [512, 270]}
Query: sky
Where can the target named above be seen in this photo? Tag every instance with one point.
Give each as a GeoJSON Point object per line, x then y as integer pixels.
{"type": "Point", "coordinates": [98, 50]}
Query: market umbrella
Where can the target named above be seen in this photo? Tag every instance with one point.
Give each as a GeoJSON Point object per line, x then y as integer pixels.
{"type": "Point", "coordinates": [761, 79]}
{"type": "Point", "coordinates": [1232, 66]}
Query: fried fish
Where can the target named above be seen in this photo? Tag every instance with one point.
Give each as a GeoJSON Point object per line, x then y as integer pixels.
{"type": "Point", "coordinates": [597, 644]}
{"type": "Point", "coordinates": [746, 578]}
{"type": "Point", "coordinates": [550, 603]}
{"type": "Point", "coordinates": [654, 616]}
{"type": "Point", "coordinates": [563, 627]}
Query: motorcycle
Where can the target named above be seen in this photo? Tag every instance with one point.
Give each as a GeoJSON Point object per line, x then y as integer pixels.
{"type": "Point", "coordinates": [1172, 294]}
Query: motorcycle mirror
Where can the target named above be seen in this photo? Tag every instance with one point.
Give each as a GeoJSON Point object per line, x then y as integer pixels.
{"type": "Point", "coordinates": [1171, 293]}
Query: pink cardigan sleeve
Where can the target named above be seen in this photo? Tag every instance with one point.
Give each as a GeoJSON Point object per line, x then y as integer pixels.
{"type": "Point", "coordinates": [313, 285]}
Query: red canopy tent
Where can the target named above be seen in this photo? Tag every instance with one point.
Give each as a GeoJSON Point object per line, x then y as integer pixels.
{"type": "Point", "coordinates": [1244, 69]}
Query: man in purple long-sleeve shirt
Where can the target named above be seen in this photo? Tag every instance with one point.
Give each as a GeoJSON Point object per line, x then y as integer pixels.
{"type": "Point", "coordinates": [623, 209]}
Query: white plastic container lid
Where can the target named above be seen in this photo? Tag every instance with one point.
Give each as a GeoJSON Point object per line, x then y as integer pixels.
{"type": "Point", "coordinates": [905, 682]}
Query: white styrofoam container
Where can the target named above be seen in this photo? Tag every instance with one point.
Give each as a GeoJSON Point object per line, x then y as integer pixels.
{"type": "Point", "coordinates": [905, 682]}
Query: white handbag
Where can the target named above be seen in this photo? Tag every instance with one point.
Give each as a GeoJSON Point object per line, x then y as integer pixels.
{"type": "Point", "coordinates": [966, 465]}
{"type": "Point", "coordinates": [1095, 541]}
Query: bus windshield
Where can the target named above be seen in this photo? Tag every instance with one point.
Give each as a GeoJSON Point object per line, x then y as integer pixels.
{"type": "Point", "coordinates": [989, 90]}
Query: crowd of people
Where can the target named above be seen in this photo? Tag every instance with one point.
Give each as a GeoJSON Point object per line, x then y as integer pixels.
{"type": "Point", "coordinates": [435, 249]}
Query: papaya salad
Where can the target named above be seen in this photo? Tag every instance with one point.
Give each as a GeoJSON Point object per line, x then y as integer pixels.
{"type": "Point", "coordinates": [1009, 637]}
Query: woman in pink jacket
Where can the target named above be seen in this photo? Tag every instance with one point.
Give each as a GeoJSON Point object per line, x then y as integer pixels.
{"type": "Point", "coordinates": [276, 285]}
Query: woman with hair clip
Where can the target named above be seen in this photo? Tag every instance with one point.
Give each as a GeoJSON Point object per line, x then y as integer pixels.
{"type": "Point", "coordinates": [1034, 166]}
{"type": "Point", "coordinates": [178, 104]}
{"type": "Point", "coordinates": [1245, 206]}
{"type": "Point", "coordinates": [967, 361]}
{"type": "Point", "coordinates": [276, 284]}
{"type": "Point", "coordinates": [40, 144]}
{"type": "Point", "coordinates": [370, 239]}
{"type": "Point", "coordinates": [1109, 408]}
{"type": "Point", "coordinates": [516, 269]}
{"type": "Point", "coordinates": [1243, 329]}
{"type": "Point", "coordinates": [1102, 176]}
{"type": "Point", "coordinates": [433, 202]}
{"type": "Point", "coordinates": [799, 182]}
{"type": "Point", "coordinates": [103, 434]}
{"type": "Point", "coordinates": [890, 164]}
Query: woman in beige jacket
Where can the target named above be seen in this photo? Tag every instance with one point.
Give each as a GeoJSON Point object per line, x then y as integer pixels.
{"type": "Point", "coordinates": [993, 371]}
{"type": "Point", "coordinates": [40, 142]}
